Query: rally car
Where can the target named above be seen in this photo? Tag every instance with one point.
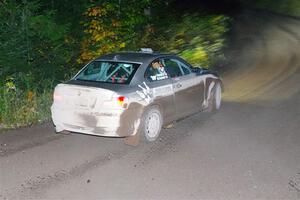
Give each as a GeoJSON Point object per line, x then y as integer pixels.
{"type": "Point", "coordinates": [129, 93]}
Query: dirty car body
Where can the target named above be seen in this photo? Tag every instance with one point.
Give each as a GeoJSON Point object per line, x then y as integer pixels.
{"type": "Point", "coordinates": [109, 96]}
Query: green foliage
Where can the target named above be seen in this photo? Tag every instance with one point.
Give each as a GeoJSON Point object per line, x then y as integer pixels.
{"type": "Point", "coordinates": [199, 39]}
{"type": "Point", "coordinates": [31, 42]}
{"type": "Point", "coordinates": [33, 55]}
{"type": "Point", "coordinates": [20, 108]}
{"type": "Point", "coordinates": [111, 26]}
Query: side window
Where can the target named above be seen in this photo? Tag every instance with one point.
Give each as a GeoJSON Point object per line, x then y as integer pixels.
{"type": "Point", "coordinates": [172, 68]}
{"type": "Point", "coordinates": [156, 71]}
{"type": "Point", "coordinates": [186, 70]}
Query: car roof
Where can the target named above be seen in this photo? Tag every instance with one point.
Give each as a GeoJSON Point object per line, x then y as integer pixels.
{"type": "Point", "coordinates": [142, 58]}
{"type": "Point", "coordinates": [138, 57]}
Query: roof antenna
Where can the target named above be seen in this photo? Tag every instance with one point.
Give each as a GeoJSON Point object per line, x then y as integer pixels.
{"type": "Point", "coordinates": [116, 57]}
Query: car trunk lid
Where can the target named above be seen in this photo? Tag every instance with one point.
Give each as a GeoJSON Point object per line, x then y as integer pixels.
{"type": "Point", "coordinates": [81, 97]}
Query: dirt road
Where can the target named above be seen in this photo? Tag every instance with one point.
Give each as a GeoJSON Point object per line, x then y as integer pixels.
{"type": "Point", "coordinates": [250, 149]}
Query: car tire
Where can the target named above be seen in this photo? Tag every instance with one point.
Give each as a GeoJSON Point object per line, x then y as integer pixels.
{"type": "Point", "coordinates": [215, 98]}
{"type": "Point", "coordinates": [151, 125]}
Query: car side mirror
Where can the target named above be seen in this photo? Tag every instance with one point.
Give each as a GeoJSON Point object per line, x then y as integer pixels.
{"type": "Point", "coordinates": [197, 70]}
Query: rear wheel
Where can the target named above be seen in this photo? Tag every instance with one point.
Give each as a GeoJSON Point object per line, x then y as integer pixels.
{"type": "Point", "coordinates": [151, 124]}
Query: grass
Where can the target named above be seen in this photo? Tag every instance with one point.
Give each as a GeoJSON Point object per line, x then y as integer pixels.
{"type": "Point", "coordinates": [23, 108]}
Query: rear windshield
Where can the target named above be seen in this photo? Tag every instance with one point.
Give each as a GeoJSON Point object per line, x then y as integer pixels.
{"type": "Point", "coordinates": [108, 72]}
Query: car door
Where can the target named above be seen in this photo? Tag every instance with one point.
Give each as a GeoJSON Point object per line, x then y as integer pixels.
{"type": "Point", "coordinates": [196, 86]}
{"type": "Point", "coordinates": [186, 87]}
{"type": "Point", "coordinates": [162, 90]}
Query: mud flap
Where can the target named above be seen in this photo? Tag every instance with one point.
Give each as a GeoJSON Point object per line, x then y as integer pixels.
{"type": "Point", "coordinates": [132, 140]}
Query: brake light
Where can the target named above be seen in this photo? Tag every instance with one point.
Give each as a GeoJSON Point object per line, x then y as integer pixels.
{"type": "Point", "coordinates": [57, 96]}
{"type": "Point", "coordinates": [122, 101]}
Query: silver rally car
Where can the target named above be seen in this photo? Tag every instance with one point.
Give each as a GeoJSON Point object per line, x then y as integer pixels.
{"type": "Point", "coordinates": [130, 93]}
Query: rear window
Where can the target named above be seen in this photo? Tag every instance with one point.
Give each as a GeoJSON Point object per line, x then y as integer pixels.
{"type": "Point", "coordinates": [108, 72]}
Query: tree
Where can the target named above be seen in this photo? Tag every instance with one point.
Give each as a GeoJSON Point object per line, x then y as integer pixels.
{"type": "Point", "coordinates": [112, 26]}
{"type": "Point", "coordinates": [31, 43]}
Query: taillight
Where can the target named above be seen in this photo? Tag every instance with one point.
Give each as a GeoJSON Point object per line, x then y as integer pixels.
{"type": "Point", "coordinates": [122, 101]}
{"type": "Point", "coordinates": [57, 96]}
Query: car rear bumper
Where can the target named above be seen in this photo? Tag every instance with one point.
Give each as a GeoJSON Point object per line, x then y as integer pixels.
{"type": "Point", "coordinates": [107, 123]}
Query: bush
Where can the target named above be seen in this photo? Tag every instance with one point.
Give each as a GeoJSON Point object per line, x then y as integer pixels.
{"type": "Point", "coordinates": [33, 53]}
{"type": "Point", "coordinates": [198, 39]}
{"type": "Point", "coordinates": [31, 42]}
{"type": "Point", "coordinates": [24, 108]}
{"type": "Point", "coordinates": [110, 27]}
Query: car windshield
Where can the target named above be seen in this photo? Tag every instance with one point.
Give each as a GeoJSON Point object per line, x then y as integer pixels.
{"type": "Point", "coordinates": [108, 72]}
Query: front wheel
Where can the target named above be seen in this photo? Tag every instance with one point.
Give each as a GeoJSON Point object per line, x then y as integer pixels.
{"type": "Point", "coordinates": [151, 124]}
{"type": "Point", "coordinates": [215, 98]}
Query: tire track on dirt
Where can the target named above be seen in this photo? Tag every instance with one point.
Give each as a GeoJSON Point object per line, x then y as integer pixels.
{"type": "Point", "coordinates": [45, 181]}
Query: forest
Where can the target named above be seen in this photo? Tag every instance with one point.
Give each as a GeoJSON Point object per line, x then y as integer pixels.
{"type": "Point", "coordinates": [43, 42]}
